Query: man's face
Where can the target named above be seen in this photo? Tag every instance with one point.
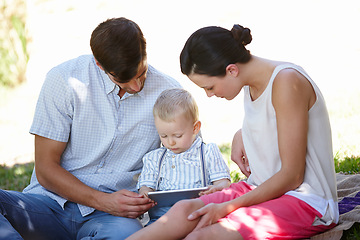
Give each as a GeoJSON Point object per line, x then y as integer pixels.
{"type": "Point", "coordinates": [136, 84]}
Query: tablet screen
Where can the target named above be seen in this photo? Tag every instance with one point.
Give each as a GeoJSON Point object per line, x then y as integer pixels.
{"type": "Point", "coordinates": [169, 198]}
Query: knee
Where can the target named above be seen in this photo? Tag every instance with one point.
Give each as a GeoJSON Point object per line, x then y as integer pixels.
{"type": "Point", "coordinates": [187, 206]}
{"type": "Point", "coordinates": [109, 230]}
{"type": "Point", "coordinates": [182, 209]}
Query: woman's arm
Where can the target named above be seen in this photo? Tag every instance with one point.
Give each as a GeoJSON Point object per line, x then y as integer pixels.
{"type": "Point", "coordinates": [293, 96]}
{"type": "Point", "coordinates": [238, 154]}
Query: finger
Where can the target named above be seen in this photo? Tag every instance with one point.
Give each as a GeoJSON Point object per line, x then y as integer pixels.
{"type": "Point", "coordinates": [198, 213]}
{"type": "Point", "coordinates": [204, 222]}
{"type": "Point", "coordinates": [130, 193]}
{"type": "Point", "coordinates": [203, 193]}
{"type": "Point", "coordinates": [135, 201]}
{"type": "Point", "coordinates": [134, 214]}
{"type": "Point", "coordinates": [133, 211]}
{"type": "Point", "coordinates": [246, 163]}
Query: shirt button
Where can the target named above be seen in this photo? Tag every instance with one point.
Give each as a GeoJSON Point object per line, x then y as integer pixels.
{"type": "Point", "coordinates": [173, 156]}
{"type": "Point", "coordinates": [173, 166]}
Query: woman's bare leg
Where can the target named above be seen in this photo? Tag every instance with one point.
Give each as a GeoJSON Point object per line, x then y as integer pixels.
{"type": "Point", "coordinates": [173, 225]}
{"type": "Point", "coordinates": [221, 230]}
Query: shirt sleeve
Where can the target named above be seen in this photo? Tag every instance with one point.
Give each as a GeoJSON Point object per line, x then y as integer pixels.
{"type": "Point", "coordinates": [53, 114]}
{"type": "Point", "coordinates": [150, 171]}
{"type": "Point", "coordinates": [215, 164]}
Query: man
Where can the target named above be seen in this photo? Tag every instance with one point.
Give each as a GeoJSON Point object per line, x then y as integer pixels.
{"type": "Point", "coordinates": [93, 124]}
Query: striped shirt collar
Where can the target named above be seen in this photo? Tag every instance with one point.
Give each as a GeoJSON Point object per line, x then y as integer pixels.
{"type": "Point", "coordinates": [195, 145]}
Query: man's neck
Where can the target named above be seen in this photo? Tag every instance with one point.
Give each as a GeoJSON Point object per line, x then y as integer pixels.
{"type": "Point", "coordinates": [121, 92]}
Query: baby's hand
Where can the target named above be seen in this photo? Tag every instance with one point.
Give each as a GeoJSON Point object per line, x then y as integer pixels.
{"type": "Point", "coordinates": [217, 186]}
{"type": "Point", "coordinates": [211, 189]}
{"type": "Point", "coordinates": [145, 190]}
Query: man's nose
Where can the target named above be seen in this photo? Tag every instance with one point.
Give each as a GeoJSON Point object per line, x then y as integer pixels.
{"type": "Point", "coordinates": [136, 85]}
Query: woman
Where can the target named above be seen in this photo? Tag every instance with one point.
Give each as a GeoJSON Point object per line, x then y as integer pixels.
{"type": "Point", "coordinates": [284, 147]}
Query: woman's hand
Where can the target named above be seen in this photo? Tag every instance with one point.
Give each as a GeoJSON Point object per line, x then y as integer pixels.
{"type": "Point", "coordinates": [238, 154]}
{"type": "Point", "coordinates": [209, 214]}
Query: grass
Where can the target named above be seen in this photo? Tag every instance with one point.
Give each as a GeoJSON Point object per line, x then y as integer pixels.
{"type": "Point", "coordinates": [18, 177]}
{"type": "Point", "coordinates": [348, 165]}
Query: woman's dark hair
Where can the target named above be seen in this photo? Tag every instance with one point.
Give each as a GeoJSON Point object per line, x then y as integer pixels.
{"type": "Point", "coordinates": [210, 50]}
{"type": "Point", "coordinates": [119, 46]}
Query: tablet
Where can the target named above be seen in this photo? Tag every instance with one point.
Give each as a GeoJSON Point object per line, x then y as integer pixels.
{"type": "Point", "coordinates": [169, 198]}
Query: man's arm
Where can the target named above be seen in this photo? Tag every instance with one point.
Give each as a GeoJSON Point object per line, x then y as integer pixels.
{"type": "Point", "coordinates": [55, 178]}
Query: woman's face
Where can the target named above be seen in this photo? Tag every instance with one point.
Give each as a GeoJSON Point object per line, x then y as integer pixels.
{"type": "Point", "coordinates": [223, 87]}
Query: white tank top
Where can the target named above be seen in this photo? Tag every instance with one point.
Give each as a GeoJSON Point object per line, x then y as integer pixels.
{"type": "Point", "coordinates": [260, 139]}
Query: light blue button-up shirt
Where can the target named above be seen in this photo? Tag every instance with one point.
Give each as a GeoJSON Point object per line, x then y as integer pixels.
{"type": "Point", "coordinates": [107, 136]}
{"type": "Point", "coordinates": [183, 170]}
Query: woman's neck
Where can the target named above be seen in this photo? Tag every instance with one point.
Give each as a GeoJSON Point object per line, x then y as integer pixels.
{"type": "Point", "coordinates": [259, 71]}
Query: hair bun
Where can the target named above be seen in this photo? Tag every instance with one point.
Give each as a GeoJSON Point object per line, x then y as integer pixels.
{"type": "Point", "coordinates": [242, 35]}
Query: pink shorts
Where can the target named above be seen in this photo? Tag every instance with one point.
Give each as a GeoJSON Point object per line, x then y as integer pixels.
{"type": "Point", "coordinates": [285, 217]}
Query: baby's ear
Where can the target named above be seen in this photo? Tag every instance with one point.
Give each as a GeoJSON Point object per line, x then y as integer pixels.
{"type": "Point", "coordinates": [197, 126]}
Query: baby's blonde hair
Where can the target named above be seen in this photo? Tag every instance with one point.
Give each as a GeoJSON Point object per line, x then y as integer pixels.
{"type": "Point", "coordinates": [173, 102]}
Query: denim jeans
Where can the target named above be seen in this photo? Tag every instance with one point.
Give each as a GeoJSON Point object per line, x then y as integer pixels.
{"type": "Point", "coordinates": [155, 213]}
{"type": "Point", "coordinates": [33, 216]}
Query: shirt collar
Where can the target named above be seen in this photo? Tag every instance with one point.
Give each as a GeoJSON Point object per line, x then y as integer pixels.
{"type": "Point", "coordinates": [110, 86]}
{"type": "Point", "coordinates": [195, 145]}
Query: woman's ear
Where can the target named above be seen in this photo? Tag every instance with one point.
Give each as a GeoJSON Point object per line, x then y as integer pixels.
{"type": "Point", "coordinates": [197, 126]}
{"type": "Point", "coordinates": [232, 69]}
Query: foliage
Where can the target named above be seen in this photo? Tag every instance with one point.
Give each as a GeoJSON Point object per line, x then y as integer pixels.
{"type": "Point", "coordinates": [16, 177]}
{"type": "Point", "coordinates": [348, 165]}
{"type": "Point", "coordinates": [353, 233]}
{"type": "Point", "coordinates": [13, 42]}
{"type": "Point", "coordinates": [235, 174]}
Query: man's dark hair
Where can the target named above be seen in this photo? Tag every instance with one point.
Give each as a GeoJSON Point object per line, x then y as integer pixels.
{"type": "Point", "coordinates": [119, 46]}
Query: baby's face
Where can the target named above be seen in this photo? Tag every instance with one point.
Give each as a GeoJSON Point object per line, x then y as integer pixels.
{"type": "Point", "coordinates": [176, 135]}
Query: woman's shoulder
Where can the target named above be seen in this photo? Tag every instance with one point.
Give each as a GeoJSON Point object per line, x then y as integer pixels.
{"type": "Point", "coordinates": [290, 77]}
{"type": "Point", "coordinates": [292, 86]}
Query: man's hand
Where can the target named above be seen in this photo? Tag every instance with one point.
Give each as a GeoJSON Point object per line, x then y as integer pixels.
{"type": "Point", "coordinates": [238, 154]}
{"type": "Point", "coordinates": [124, 203]}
